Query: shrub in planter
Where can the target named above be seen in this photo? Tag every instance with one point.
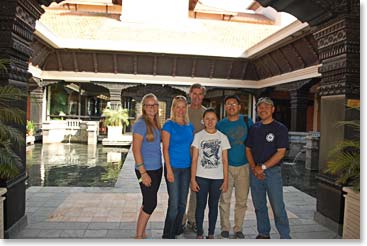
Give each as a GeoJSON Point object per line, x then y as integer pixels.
{"type": "Point", "coordinates": [115, 120]}
{"type": "Point", "coordinates": [116, 117]}
{"type": "Point", "coordinates": [345, 157]}
{"type": "Point", "coordinates": [30, 128]}
{"type": "Point", "coordinates": [345, 163]}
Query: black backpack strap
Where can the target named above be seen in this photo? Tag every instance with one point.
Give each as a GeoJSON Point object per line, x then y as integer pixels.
{"type": "Point", "coordinates": [245, 119]}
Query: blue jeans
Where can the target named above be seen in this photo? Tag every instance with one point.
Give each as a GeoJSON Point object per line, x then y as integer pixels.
{"type": "Point", "coordinates": [207, 187]}
{"type": "Point", "coordinates": [272, 185]}
{"type": "Point", "coordinates": [177, 198]}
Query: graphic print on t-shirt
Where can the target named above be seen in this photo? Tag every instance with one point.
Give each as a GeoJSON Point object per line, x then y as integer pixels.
{"type": "Point", "coordinates": [210, 150]}
{"type": "Point", "coordinates": [236, 134]}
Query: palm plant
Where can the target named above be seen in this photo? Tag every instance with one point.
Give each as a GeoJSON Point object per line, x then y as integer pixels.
{"type": "Point", "coordinates": [116, 117]}
{"type": "Point", "coordinates": [3, 63]}
{"type": "Point", "coordinates": [11, 138]}
{"type": "Point", "coordinates": [345, 158]}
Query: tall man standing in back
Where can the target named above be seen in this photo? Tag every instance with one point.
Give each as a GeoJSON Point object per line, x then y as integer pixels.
{"type": "Point", "coordinates": [265, 148]}
{"type": "Point", "coordinates": [236, 127]}
{"type": "Point", "coordinates": [196, 110]}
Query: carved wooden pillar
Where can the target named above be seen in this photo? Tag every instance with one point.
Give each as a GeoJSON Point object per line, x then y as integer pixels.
{"type": "Point", "coordinates": [337, 25]}
{"type": "Point", "coordinates": [17, 24]}
{"type": "Point", "coordinates": [299, 99]}
{"type": "Point", "coordinates": [338, 45]}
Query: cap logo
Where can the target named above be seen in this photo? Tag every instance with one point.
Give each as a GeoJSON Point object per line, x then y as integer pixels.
{"type": "Point", "coordinates": [266, 100]}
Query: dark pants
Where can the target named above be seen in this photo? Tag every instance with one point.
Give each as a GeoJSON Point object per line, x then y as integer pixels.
{"type": "Point", "coordinates": [150, 193]}
{"type": "Point", "coordinates": [177, 198]}
{"type": "Point", "coordinates": [207, 187]}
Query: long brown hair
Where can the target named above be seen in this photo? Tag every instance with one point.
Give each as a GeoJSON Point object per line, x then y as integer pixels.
{"type": "Point", "coordinates": [149, 135]}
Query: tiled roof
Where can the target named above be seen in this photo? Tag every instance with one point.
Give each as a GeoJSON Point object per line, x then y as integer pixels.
{"type": "Point", "coordinates": [206, 34]}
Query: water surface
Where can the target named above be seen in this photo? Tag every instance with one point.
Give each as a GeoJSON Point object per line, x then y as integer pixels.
{"type": "Point", "coordinates": [63, 164]}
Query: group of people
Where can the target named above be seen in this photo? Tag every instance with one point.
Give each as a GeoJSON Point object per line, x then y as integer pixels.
{"type": "Point", "coordinates": [206, 159]}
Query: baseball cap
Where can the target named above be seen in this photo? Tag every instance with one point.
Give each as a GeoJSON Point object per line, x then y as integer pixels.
{"type": "Point", "coordinates": [266, 100]}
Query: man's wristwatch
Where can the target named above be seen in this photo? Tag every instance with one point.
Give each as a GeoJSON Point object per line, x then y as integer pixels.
{"type": "Point", "coordinates": [263, 167]}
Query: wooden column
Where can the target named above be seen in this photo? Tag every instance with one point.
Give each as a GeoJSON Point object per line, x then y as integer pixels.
{"type": "Point", "coordinates": [339, 47]}
{"type": "Point", "coordinates": [17, 22]}
{"type": "Point", "coordinates": [299, 99]}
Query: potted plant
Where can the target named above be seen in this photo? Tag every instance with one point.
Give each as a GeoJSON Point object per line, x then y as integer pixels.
{"type": "Point", "coordinates": [345, 163]}
{"type": "Point", "coordinates": [115, 120]}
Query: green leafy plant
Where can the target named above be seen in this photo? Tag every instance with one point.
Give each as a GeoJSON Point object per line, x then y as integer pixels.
{"type": "Point", "coordinates": [3, 63]}
{"type": "Point", "coordinates": [116, 117]}
{"type": "Point", "coordinates": [345, 158]}
{"type": "Point", "coordinates": [11, 138]}
{"type": "Point", "coordinates": [30, 128]}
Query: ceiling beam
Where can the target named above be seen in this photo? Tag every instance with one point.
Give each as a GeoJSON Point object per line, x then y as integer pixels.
{"type": "Point", "coordinates": [306, 73]}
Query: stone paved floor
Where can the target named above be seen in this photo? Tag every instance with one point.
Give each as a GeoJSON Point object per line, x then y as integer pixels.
{"type": "Point", "coordinates": [111, 213]}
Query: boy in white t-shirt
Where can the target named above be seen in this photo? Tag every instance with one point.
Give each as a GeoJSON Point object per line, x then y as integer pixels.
{"type": "Point", "coordinates": [209, 171]}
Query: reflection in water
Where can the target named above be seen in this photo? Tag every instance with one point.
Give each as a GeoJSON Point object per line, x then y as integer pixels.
{"type": "Point", "coordinates": [64, 164]}
{"type": "Point", "coordinates": [295, 174]}
{"type": "Point", "coordinates": [97, 166]}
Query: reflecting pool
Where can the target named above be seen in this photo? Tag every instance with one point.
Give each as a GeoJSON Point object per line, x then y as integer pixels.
{"type": "Point", "coordinates": [298, 176]}
{"type": "Point", "coordinates": [63, 164]}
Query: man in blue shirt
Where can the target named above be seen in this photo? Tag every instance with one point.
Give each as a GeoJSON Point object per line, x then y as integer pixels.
{"type": "Point", "coordinates": [235, 127]}
{"type": "Point", "coordinates": [265, 148]}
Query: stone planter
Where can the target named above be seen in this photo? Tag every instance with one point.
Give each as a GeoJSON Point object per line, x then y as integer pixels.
{"type": "Point", "coordinates": [14, 205]}
{"type": "Point", "coordinates": [114, 132]}
{"type": "Point", "coordinates": [2, 192]}
{"type": "Point", "coordinates": [351, 227]}
{"type": "Point", "coordinates": [330, 203]}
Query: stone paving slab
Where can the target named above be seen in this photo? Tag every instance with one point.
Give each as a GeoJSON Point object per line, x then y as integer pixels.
{"type": "Point", "coordinates": [92, 213]}
{"type": "Point", "coordinates": [111, 212]}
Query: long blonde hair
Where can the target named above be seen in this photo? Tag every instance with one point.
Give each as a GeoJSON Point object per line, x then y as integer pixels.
{"type": "Point", "coordinates": [177, 99]}
{"type": "Point", "coordinates": [149, 135]}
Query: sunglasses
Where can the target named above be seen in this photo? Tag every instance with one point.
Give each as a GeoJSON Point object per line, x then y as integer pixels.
{"type": "Point", "coordinates": [180, 98]}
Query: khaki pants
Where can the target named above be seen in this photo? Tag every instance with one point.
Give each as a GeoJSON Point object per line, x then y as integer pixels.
{"type": "Point", "coordinates": [191, 209]}
{"type": "Point", "coordinates": [239, 178]}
